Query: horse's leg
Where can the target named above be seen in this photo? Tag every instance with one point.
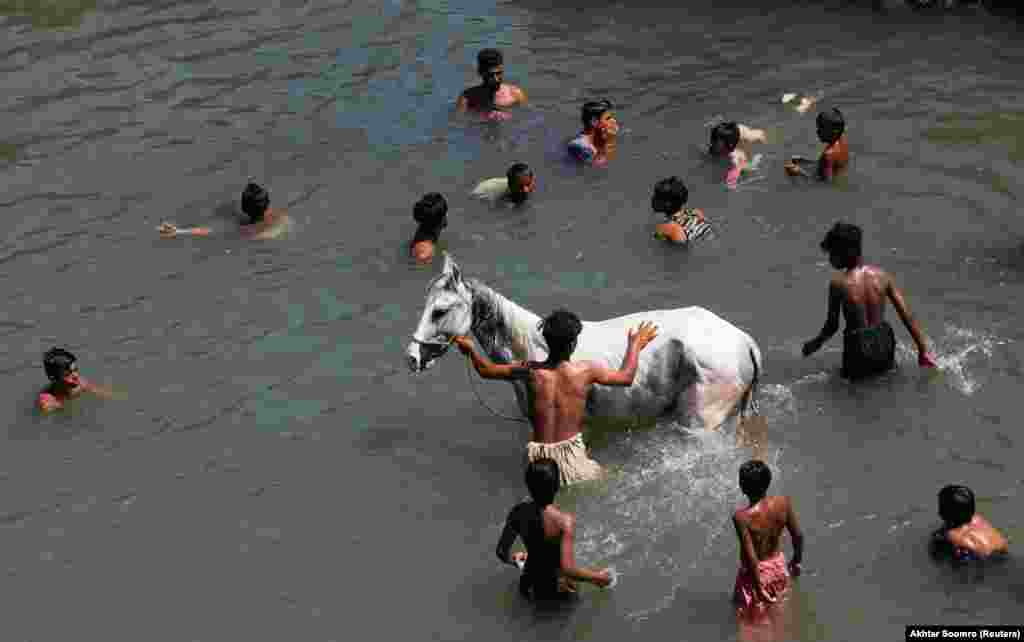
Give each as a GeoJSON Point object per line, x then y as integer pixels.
{"type": "Point", "coordinates": [713, 403]}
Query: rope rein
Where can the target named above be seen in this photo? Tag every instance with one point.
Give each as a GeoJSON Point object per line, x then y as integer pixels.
{"type": "Point", "coordinates": [444, 346]}
{"type": "Point", "coordinates": [472, 384]}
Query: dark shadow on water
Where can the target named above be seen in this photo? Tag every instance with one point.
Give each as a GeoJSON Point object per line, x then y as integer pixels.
{"type": "Point", "coordinates": [49, 14]}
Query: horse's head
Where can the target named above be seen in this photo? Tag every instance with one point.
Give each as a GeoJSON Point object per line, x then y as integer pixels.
{"type": "Point", "coordinates": [447, 313]}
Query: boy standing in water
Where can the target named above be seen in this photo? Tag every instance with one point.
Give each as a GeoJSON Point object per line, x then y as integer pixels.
{"type": "Point", "coordinates": [764, 574]}
{"type": "Point", "coordinates": [835, 157]}
{"type": "Point", "coordinates": [734, 142]}
{"type": "Point", "coordinates": [965, 535]}
{"type": "Point", "coordinates": [860, 290]}
{"type": "Point", "coordinates": [431, 213]}
{"type": "Point", "coordinates": [493, 94]}
{"type": "Point", "coordinates": [549, 564]}
{"type": "Point", "coordinates": [65, 382]}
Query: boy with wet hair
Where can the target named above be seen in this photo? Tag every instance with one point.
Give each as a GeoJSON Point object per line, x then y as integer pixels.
{"type": "Point", "coordinates": [264, 222]}
{"type": "Point", "coordinates": [682, 224]}
{"type": "Point", "coordinates": [431, 215]}
{"type": "Point", "coordinates": [493, 94]}
{"type": "Point", "coordinates": [515, 187]}
{"type": "Point", "coordinates": [549, 564]}
{"type": "Point", "coordinates": [835, 158]}
{"type": "Point", "coordinates": [61, 368]}
{"type": "Point", "coordinates": [734, 142]}
{"type": "Point", "coordinates": [596, 143]}
{"type": "Point", "coordinates": [860, 291]}
{"type": "Point", "coordinates": [521, 182]}
{"type": "Point", "coordinates": [965, 535]}
{"type": "Point", "coordinates": [558, 390]}
{"type": "Point", "coordinates": [764, 575]}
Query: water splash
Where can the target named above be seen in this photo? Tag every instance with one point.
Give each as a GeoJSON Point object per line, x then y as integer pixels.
{"type": "Point", "coordinates": [678, 485]}
{"type": "Point", "coordinates": [956, 352]}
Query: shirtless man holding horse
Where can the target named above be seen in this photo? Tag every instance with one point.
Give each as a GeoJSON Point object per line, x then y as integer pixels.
{"type": "Point", "coordinates": [558, 390]}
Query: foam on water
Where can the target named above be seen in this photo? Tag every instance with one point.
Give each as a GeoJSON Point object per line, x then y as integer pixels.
{"type": "Point", "coordinates": [961, 349]}
{"type": "Point", "coordinates": [678, 485]}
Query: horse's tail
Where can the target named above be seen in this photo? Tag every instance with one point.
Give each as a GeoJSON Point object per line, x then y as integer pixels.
{"type": "Point", "coordinates": [750, 396]}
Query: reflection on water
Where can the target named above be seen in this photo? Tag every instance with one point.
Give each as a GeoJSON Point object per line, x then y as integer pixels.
{"type": "Point", "coordinates": [49, 14]}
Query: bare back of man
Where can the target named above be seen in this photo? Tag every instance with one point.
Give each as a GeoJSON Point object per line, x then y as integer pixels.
{"type": "Point", "coordinates": [765, 521]}
{"type": "Point", "coordinates": [864, 289]}
{"type": "Point", "coordinates": [860, 291]}
{"type": "Point", "coordinates": [764, 573]}
{"type": "Point", "coordinates": [558, 390]}
{"type": "Point", "coordinates": [559, 397]}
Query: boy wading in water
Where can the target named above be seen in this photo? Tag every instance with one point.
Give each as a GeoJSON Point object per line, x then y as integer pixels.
{"type": "Point", "coordinates": [965, 535]}
{"type": "Point", "coordinates": [431, 216]}
{"type": "Point", "coordinates": [558, 390]}
{"type": "Point", "coordinates": [682, 224]}
{"type": "Point", "coordinates": [860, 290]}
{"type": "Point", "coordinates": [595, 145]}
{"type": "Point", "coordinates": [493, 95]}
{"type": "Point", "coordinates": [733, 142]}
{"type": "Point", "coordinates": [65, 382]}
{"type": "Point", "coordinates": [764, 574]}
{"type": "Point", "coordinates": [834, 158]}
{"type": "Point", "coordinates": [549, 570]}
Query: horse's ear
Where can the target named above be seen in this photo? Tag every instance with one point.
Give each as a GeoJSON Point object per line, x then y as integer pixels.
{"type": "Point", "coordinates": [451, 269]}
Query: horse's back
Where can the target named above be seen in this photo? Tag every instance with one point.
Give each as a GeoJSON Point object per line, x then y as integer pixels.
{"type": "Point", "coordinates": [679, 323]}
{"type": "Point", "coordinates": [692, 332]}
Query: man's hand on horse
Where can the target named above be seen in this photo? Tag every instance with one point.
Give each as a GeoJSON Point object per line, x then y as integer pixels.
{"type": "Point", "coordinates": [643, 334]}
{"type": "Point", "coordinates": [465, 344]}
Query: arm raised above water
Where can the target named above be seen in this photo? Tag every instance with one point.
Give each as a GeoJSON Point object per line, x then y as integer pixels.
{"type": "Point", "coordinates": [638, 340]}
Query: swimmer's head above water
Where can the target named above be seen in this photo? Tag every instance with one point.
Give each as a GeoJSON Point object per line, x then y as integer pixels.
{"type": "Point", "coordinates": [724, 139]}
{"type": "Point", "coordinates": [490, 64]}
{"type": "Point", "coordinates": [543, 480]}
{"type": "Point", "coordinates": [560, 329]}
{"type": "Point", "coordinates": [521, 182]}
{"type": "Point", "coordinates": [755, 478]}
{"type": "Point", "coordinates": [255, 201]}
{"type": "Point", "coordinates": [843, 245]}
{"type": "Point", "coordinates": [61, 367]}
{"type": "Point", "coordinates": [956, 505]}
{"type": "Point", "coordinates": [670, 195]}
{"type": "Point", "coordinates": [598, 117]}
{"type": "Point", "coordinates": [431, 212]}
{"type": "Point", "coordinates": [830, 125]}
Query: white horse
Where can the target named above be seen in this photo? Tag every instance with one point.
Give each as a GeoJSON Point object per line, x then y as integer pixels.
{"type": "Point", "coordinates": [700, 368]}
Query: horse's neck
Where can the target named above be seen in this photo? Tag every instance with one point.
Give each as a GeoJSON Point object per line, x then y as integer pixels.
{"type": "Point", "coordinates": [505, 330]}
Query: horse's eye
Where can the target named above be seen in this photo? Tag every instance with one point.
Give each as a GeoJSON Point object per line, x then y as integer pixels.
{"type": "Point", "coordinates": [436, 316]}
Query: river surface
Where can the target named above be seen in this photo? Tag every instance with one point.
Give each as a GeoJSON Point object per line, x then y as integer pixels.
{"type": "Point", "coordinates": [271, 470]}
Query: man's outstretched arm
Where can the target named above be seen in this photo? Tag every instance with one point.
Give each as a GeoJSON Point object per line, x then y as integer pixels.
{"type": "Point", "coordinates": [488, 369]}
